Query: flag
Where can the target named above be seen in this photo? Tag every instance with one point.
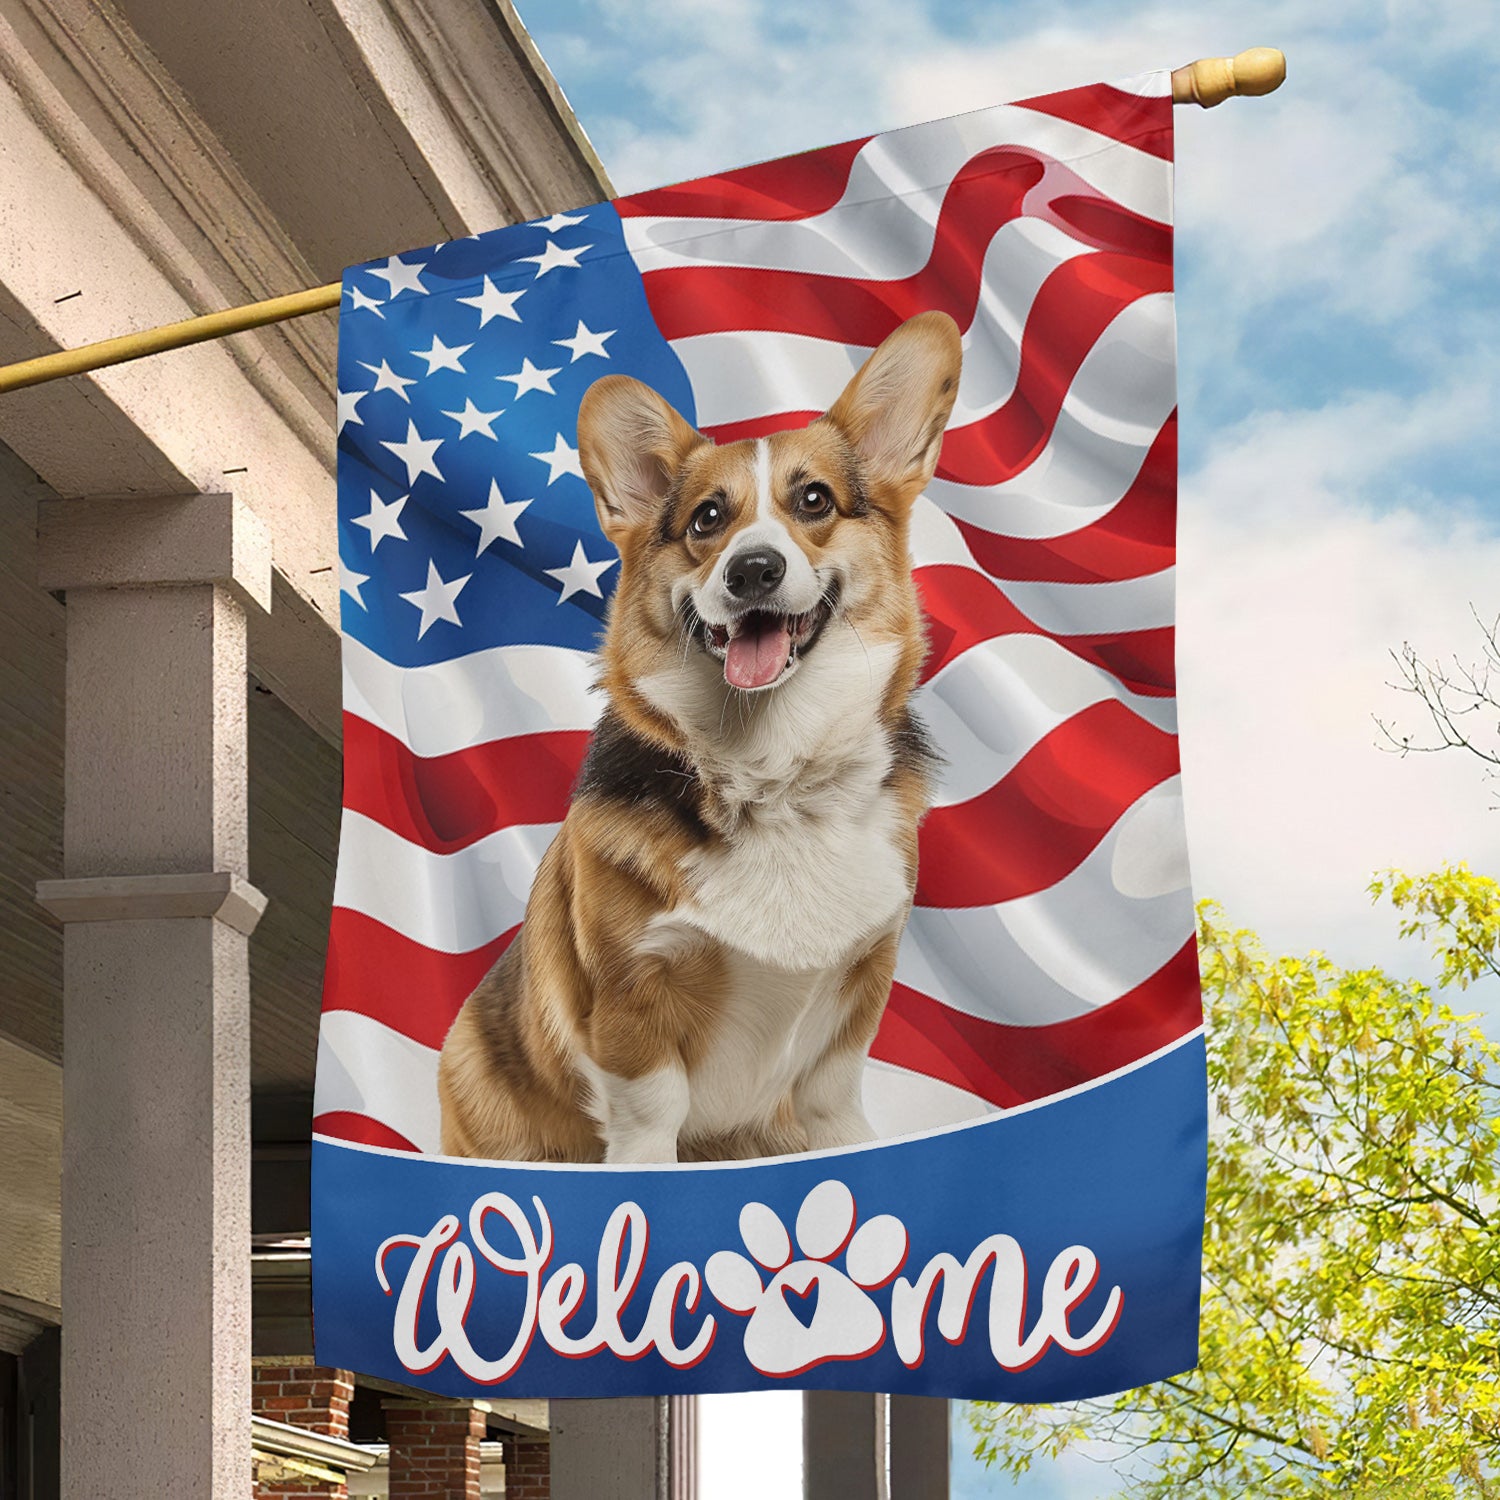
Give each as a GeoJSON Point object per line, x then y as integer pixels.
{"type": "Point", "coordinates": [1048, 971]}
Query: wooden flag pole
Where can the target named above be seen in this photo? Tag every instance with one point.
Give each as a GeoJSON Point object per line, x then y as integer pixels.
{"type": "Point", "coordinates": [1207, 82]}
{"type": "Point", "coordinates": [168, 336]}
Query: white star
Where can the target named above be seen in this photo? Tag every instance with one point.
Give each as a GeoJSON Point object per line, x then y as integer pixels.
{"type": "Point", "coordinates": [580, 576]}
{"type": "Point", "coordinates": [558, 221]}
{"type": "Point", "coordinates": [382, 521]}
{"type": "Point", "coordinates": [529, 378]}
{"type": "Point", "coordinates": [441, 357]}
{"type": "Point", "coordinates": [400, 276]}
{"type": "Point", "coordinates": [494, 304]}
{"type": "Point", "coordinates": [386, 379]}
{"type": "Point", "coordinates": [350, 583]}
{"type": "Point", "coordinates": [471, 419]}
{"type": "Point", "coordinates": [586, 342]}
{"type": "Point", "coordinates": [436, 600]}
{"type": "Point", "coordinates": [562, 460]}
{"type": "Point", "coordinates": [362, 303]}
{"type": "Point", "coordinates": [497, 519]}
{"type": "Point", "coordinates": [554, 256]}
{"type": "Point", "coordinates": [348, 401]}
{"type": "Point", "coordinates": [416, 453]}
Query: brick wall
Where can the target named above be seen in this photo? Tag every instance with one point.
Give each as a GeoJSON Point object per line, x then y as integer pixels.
{"type": "Point", "coordinates": [301, 1394]}
{"type": "Point", "coordinates": [528, 1469]}
{"type": "Point", "coordinates": [434, 1451]}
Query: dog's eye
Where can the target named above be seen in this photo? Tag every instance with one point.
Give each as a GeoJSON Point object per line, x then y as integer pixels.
{"type": "Point", "coordinates": [814, 501]}
{"type": "Point", "coordinates": [707, 518]}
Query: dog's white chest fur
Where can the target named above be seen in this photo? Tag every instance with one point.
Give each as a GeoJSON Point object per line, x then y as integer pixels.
{"type": "Point", "coordinates": [801, 889]}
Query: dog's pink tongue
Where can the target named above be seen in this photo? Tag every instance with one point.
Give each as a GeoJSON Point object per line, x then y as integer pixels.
{"type": "Point", "coordinates": [758, 655]}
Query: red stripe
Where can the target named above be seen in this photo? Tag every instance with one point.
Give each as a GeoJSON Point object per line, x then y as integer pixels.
{"type": "Point", "coordinates": [1039, 821]}
{"type": "Point", "coordinates": [754, 427]}
{"type": "Point", "coordinates": [1137, 537]}
{"type": "Point", "coordinates": [1069, 314]}
{"type": "Point", "coordinates": [344, 1125]}
{"type": "Point", "coordinates": [1010, 1065]}
{"type": "Point", "coordinates": [988, 192]}
{"type": "Point", "coordinates": [1138, 120]}
{"type": "Point", "coordinates": [1074, 307]}
{"type": "Point", "coordinates": [447, 802]}
{"type": "Point", "coordinates": [791, 187]}
{"type": "Point", "coordinates": [963, 608]}
{"type": "Point", "coordinates": [376, 972]}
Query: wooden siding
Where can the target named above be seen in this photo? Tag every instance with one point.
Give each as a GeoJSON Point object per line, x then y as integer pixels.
{"type": "Point", "coordinates": [32, 655]}
{"type": "Point", "coordinates": [30, 1193]}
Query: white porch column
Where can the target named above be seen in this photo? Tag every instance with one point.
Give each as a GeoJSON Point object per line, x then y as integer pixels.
{"type": "Point", "coordinates": [156, 1035]}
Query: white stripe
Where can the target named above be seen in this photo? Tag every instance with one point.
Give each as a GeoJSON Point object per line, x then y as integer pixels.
{"type": "Point", "coordinates": [884, 224]}
{"type": "Point", "coordinates": [488, 695]}
{"type": "Point", "coordinates": [989, 707]}
{"type": "Point", "coordinates": [746, 374]}
{"type": "Point", "coordinates": [935, 539]}
{"type": "Point", "coordinates": [1144, 603]}
{"type": "Point", "coordinates": [365, 1068]}
{"type": "Point", "coordinates": [1123, 392]}
{"type": "Point", "coordinates": [1156, 84]}
{"type": "Point", "coordinates": [898, 1102]}
{"type": "Point", "coordinates": [451, 902]}
{"type": "Point", "coordinates": [1093, 936]}
{"type": "Point", "coordinates": [743, 374]}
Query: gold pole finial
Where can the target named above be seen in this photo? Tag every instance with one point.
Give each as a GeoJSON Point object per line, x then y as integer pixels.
{"type": "Point", "coordinates": [1212, 80]}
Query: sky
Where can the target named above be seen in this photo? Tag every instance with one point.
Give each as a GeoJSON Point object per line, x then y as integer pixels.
{"type": "Point", "coordinates": [1339, 364]}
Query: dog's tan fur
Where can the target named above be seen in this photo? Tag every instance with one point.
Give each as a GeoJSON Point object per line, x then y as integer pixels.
{"type": "Point", "coordinates": [616, 1025]}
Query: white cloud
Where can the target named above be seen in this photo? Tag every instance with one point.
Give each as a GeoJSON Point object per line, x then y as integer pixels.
{"type": "Point", "coordinates": [1293, 592]}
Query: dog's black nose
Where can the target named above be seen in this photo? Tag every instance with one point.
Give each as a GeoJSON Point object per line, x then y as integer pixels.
{"type": "Point", "coordinates": [753, 574]}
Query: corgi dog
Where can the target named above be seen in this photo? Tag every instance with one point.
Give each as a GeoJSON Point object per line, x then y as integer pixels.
{"type": "Point", "coordinates": [710, 939]}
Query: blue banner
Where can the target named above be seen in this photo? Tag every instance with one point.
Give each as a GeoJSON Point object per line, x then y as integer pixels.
{"type": "Point", "coordinates": [1046, 1255]}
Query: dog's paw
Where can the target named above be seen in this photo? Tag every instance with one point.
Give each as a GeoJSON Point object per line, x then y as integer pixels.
{"type": "Point", "coordinates": [810, 1312]}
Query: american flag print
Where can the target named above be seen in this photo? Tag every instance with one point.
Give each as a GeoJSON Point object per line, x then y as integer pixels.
{"type": "Point", "coordinates": [1038, 1076]}
{"type": "Point", "coordinates": [1051, 942]}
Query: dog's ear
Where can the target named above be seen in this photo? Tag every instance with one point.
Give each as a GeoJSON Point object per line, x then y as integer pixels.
{"type": "Point", "coordinates": [894, 410]}
{"type": "Point", "coordinates": [631, 442]}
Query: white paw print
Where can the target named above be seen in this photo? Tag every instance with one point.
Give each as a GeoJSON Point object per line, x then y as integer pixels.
{"type": "Point", "coordinates": [811, 1311]}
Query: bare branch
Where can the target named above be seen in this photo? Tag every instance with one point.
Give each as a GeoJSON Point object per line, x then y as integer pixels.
{"type": "Point", "coordinates": [1462, 701]}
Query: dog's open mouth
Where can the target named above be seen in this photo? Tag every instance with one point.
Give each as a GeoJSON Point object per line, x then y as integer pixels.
{"type": "Point", "coordinates": [760, 648]}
